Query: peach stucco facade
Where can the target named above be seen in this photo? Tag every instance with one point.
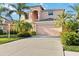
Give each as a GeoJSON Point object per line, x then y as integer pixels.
{"type": "Point", "coordinates": [38, 13]}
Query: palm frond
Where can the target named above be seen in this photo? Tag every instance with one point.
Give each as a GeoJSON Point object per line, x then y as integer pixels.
{"type": "Point", "coordinates": [23, 6]}
{"type": "Point", "coordinates": [13, 5]}
{"type": "Point", "coordinates": [72, 7]}
{"type": "Point", "coordinates": [10, 12]}
{"type": "Point", "coordinates": [3, 17]}
{"type": "Point", "coordinates": [75, 7]}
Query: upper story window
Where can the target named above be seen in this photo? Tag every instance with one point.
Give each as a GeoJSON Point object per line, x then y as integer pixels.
{"type": "Point", "coordinates": [50, 13]}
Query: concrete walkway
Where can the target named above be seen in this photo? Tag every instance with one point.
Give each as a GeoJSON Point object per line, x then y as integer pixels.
{"type": "Point", "coordinates": [32, 47]}
{"type": "Point", "coordinates": [70, 53]}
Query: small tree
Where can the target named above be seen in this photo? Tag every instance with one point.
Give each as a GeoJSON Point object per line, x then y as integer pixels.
{"type": "Point", "coordinates": [21, 26]}
{"type": "Point", "coordinates": [76, 9]}
{"type": "Point", "coordinates": [27, 26]}
{"type": "Point", "coordinates": [25, 29]}
{"type": "Point", "coordinates": [61, 19]}
{"type": "Point", "coordinates": [71, 25]}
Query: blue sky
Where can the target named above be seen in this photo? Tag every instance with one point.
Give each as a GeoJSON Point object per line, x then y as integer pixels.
{"type": "Point", "coordinates": [51, 6]}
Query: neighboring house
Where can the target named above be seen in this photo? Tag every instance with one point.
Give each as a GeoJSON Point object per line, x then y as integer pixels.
{"type": "Point", "coordinates": [4, 24]}
{"type": "Point", "coordinates": [38, 13]}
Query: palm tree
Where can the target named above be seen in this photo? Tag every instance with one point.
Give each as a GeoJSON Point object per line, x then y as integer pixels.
{"type": "Point", "coordinates": [18, 9]}
{"type": "Point", "coordinates": [22, 26]}
{"type": "Point", "coordinates": [0, 13]}
{"type": "Point", "coordinates": [26, 26]}
{"type": "Point", "coordinates": [6, 11]}
{"type": "Point", "coordinates": [62, 18]}
{"type": "Point", "coordinates": [76, 9]}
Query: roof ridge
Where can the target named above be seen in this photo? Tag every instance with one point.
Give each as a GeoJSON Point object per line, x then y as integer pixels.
{"type": "Point", "coordinates": [37, 6]}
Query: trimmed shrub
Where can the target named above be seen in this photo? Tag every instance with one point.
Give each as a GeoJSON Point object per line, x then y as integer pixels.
{"type": "Point", "coordinates": [70, 25]}
{"type": "Point", "coordinates": [24, 34]}
{"type": "Point", "coordinates": [24, 26]}
{"type": "Point", "coordinates": [57, 23]}
{"type": "Point", "coordinates": [33, 33]}
{"type": "Point", "coordinates": [13, 32]}
{"type": "Point", "coordinates": [70, 38]}
{"type": "Point", "coordinates": [1, 32]}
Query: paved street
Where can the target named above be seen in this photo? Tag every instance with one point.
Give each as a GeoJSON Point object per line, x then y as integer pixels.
{"type": "Point", "coordinates": [32, 47]}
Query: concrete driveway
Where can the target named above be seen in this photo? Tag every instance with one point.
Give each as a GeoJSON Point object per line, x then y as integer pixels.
{"type": "Point", "coordinates": [32, 47]}
{"type": "Point", "coordinates": [46, 28]}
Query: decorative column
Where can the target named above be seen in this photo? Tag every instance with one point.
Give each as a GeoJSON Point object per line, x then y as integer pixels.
{"type": "Point", "coordinates": [32, 21]}
{"type": "Point", "coordinates": [30, 16]}
{"type": "Point", "coordinates": [39, 15]}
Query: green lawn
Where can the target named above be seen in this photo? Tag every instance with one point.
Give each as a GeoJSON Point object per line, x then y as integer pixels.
{"type": "Point", "coordinates": [12, 35]}
{"type": "Point", "coordinates": [6, 40]}
{"type": "Point", "coordinates": [71, 48]}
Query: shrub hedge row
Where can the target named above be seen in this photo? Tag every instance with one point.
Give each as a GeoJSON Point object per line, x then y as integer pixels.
{"type": "Point", "coordinates": [70, 34]}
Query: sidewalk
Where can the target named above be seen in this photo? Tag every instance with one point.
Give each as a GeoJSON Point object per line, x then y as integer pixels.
{"type": "Point", "coordinates": [70, 53]}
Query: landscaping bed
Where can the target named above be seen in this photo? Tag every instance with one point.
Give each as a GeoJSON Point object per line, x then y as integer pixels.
{"type": "Point", "coordinates": [18, 31]}
{"type": "Point", "coordinates": [70, 36]}
{"type": "Point", "coordinates": [71, 48]}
